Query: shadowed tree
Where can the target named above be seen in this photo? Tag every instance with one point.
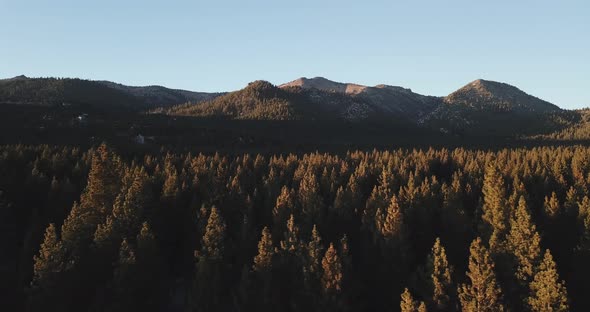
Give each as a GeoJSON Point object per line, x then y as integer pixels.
{"type": "Point", "coordinates": [263, 266]}
{"type": "Point", "coordinates": [208, 281]}
{"type": "Point", "coordinates": [47, 271]}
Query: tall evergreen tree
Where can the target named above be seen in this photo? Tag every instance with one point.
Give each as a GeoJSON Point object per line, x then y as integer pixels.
{"type": "Point", "coordinates": [150, 268]}
{"type": "Point", "coordinates": [49, 262]}
{"type": "Point", "coordinates": [390, 224]}
{"type": "Point", "coordinates": [48, 273]}
{"type": "Point", "coordinates": [408, 304]}
{"type": "Point", "coordinates": [548, 293]}
{"type": "Point", "coordinates": [495, 209]}
{"type": "Point", "coordinates": [291, 242]}
{"type": "Point", "coordinates": [312, 270]}
{"type": "Point", "coordinates": [310, 199]}
{"type": "Point", "coordinates": [263, 260]}
{"type": "Point", "coordinates": [314, 252]}
{"type": "Point", "coordinates": [284, 207]}
{"type": "Point", "coordinates": [125, 283]}
{"type": "Point", "coordinates": [208, 282]}
{"type": "Point", "coordinates": [263, 265]}
{"type": "Point", "coordinates": [332, 272]}
{"type": "Point", "coordinates": [442, 283]}
{"type": "Point", "coordinates": [213, 239]}
{"type": "Point", "coordinates": [482, 293]}
{"type": "Point", "coordinates": [524, 244]}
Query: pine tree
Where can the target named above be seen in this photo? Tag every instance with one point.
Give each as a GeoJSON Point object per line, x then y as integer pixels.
{"type": "Point", "coordinates": [548, 293]}
{"type": "Point", "coordinates": [332, 276]}
{"type": "Point", "coordinates": [213, 239]}
{"type": "Point", "coordinates": [285, 205]}
{"type": "Point", "coordinates": [104, 181]}
{"type": "Point", "coordinates": [524, 243]}
{"type": "Point", "coordinates": [346, 257]}
{"type": "Point", "coordinates": [392, 222]}
{"type": "Point", "coordinates": [314, 252]}
{"type": "Point", "coordinates": [96, 202]}
{"type": "Point", "coordinates": [408, 304]}
{"type": "Point", "coordinates": [551, 206]}
{"type": "Point", "coordinates": [263, 260]}
{"type": "Point", "coordinates": [441, 277]}
{"type": "Point", "coordinates": [482, 294]}
{"type": "Point", "coordinates": [310, 199]}
{"type": "Point", "coordinates": [495, 209]}
{"type": "Point", "coordinates": [125, 286]}
{"type": "Point", "coordinates": [49, 262]}
{"type": "Point", "coordinates": [146, 242]}
{"type": "Point", "coordinates": [312, 270]}
{"type": "Point", "coordinates": [263, 265]}
{"type": "Point", "coordinates": [291, 242]}
{"type": "Point", "coordinates": [207, 284]}
{"type": "Point", "coordinates": [131, 201]}
{"type": "Point", "coordinates": [171, 186]}
{"type": "Point", "coordinates": [422, 307]}
{"type": "Point", "coordinates": [150, 270]}
{"type": "Point", "coordinates": [380, 197]}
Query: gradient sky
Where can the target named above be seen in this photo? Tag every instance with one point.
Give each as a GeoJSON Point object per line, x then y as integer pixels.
{"type": "Point", "coordinates": [432, 47]}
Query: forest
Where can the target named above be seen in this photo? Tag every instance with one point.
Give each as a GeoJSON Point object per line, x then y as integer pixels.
{"type": "Point", "coordinates": [430, 229]}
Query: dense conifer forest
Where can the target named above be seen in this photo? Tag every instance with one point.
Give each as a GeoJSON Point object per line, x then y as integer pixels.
{"type": "Point", "coordinates": [383, 230]}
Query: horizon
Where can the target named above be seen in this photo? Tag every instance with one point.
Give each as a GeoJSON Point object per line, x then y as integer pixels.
{"type": "Point", "coordinates": [433, 48]}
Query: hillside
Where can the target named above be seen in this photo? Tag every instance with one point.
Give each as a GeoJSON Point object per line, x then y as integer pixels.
{"type": "Point", "coordinates": [485, 108]}
{"type": "Point", "coordinates": [389, 100]}
{"type": "Point", "coordinates": [64, 92]}
{"type": "Point", "coordinates": [496, 96]}
{"type": "Point", "coordinates": [156, 96]}
{"type": "Point", "coordinates": [102, 95]}
{"type": "Point", "coordinates": [313, 99]}
{"type": "Point", "coordinates": [261, 100]}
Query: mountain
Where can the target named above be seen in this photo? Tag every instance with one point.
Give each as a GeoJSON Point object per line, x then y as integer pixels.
{"type": "Point", "coordinates": [102, 95]}
{"type": "Point", "coordinates": [324, 84]}
{"type": "Point", "coordinates": [485, 107]}
{"type": "Point", "coordinates": [314, 99]}
{"type": "Point", "coordinates": [157, 96]}
{"type": "Point", "coordinates": [481, 107]}
{"type": "Point", "coordinates": [490, 95]}
{"type": "Point", "coordinates": [260, 100]}
{"type": "Point", "coordinates": [384, 99]}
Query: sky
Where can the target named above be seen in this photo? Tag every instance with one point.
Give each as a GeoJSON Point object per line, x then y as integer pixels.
{"type": "Point", "coordinates": [432, 47]}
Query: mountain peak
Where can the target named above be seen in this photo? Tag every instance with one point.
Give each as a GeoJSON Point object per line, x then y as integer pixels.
{"type": "Point", "coordinates": [260, 84]}
{"type": "Point", "coordinates": [324, 84]}
{"type": "Point", "coordinates": [482, 93]}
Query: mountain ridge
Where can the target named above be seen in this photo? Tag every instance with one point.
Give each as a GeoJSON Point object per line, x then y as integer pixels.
{"type": "Point", "coordinates": [98, 94]}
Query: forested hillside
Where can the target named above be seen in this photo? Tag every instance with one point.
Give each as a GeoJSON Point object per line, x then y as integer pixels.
{"type": "Point", "coordinates": [577, 131]}
{"type": "Point", "coordinates": [398, 230]}
{"type": "Point", "coordinates": [92, 95]}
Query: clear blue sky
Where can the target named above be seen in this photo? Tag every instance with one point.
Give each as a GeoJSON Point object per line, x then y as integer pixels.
{"type": "Point", "coordinates": [433, 47]}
